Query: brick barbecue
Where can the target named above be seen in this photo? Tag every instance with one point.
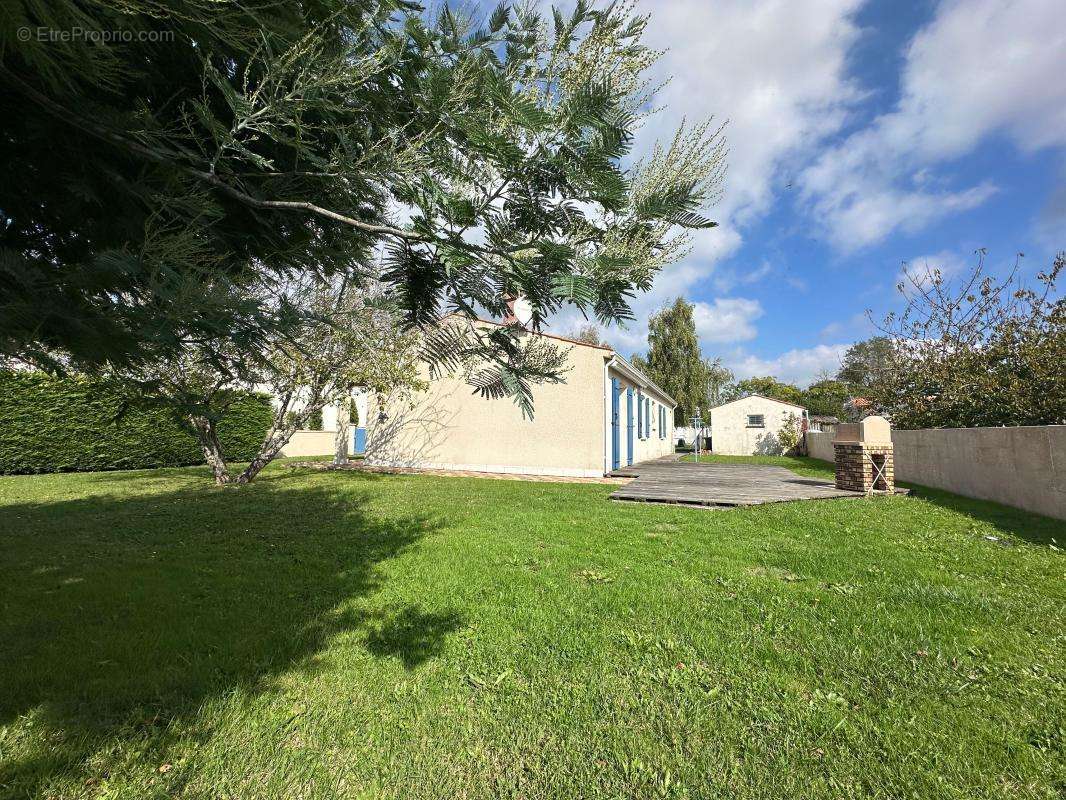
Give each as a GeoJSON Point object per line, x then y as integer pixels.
{"type": "Point", "coordinates": [863, 456]}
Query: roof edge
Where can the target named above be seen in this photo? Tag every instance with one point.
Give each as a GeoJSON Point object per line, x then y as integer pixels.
{"type": "Point", "coordinates": [640, 376]}
{"type": "Point", "coordinates": [578, 342]}
{"type": "Point", "coordinates": [764, 397]}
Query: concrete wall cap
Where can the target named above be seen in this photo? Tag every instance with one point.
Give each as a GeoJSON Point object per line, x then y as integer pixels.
{"type": "Point", "coordinates": [872, 430]}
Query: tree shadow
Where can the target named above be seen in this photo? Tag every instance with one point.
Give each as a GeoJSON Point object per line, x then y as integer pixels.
{"type": "Point", "coordinates": [120, 616]}
{"type": "Point", "coordinates": [411, 635]}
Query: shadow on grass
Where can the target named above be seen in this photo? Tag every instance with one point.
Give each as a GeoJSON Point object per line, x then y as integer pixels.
{"type": "Point", "coordinates": [1029, 527]}
{"type": "Point", "coordinates": [411, 635]}
{"type": "Point", "coordinates": [122, 616]}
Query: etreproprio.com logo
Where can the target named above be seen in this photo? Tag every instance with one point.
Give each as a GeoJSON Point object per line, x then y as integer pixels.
{"type": "Point", "coordinates": [94, 35]}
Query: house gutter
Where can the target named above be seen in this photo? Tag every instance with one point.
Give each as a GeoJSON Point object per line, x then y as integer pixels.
{"type": "Point", "coordinates": [635, 374]}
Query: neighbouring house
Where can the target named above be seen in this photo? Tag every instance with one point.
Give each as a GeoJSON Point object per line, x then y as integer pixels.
{"type": "Point", "coordinates": [752, 425]}
{"type": "Point", "coordinates": [859, 407]}
{"type": "Point", "coordinates": [606, 415]}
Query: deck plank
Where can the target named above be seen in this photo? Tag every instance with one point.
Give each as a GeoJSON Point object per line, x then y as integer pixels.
{"type": "Point", "coordinates": [669, 480]}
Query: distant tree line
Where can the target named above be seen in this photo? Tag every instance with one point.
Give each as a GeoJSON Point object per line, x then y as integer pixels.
{"type": "Point", "coordinates": [972, 352]}
{"type": "Point", "coordinates": [674, 361]}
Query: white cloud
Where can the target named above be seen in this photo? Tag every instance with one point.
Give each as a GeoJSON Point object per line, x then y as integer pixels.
{"type": "Point", "coordinates": [832, 330]}
{"type": "Point", "coordinates": [799, 366]}
{"type": "Point", "coordinates": [980, 68]}
{"type": "Point", "coordinates": [775, 69]}
{"type": "Point", "coordinates": [727, 319]}
{"type": "Point", "coordinates": [727, 280]}
{"type": "Point", "coordinates": [676, 280]}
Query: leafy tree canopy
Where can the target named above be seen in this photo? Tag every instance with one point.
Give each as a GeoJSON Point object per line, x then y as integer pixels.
{"type": "Point", "coordinates": [827, 397]}
{"type": "Point", "coordinates": [589, 334]}
{"type": "Point", "coordinates": [769, 386]}
{"type": "Point", "coordinates": [976, 351]}
{"type": "Point", "coordinates": [674, 360]}
{"type": "Point", "coordinates": [720, 382]}
{"type": "Point", "coordinates": [158, 184]}
{"type": "Point", "coordinates": [865, 362]}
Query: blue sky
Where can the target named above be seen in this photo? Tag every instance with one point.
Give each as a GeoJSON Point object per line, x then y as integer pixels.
{"type": "Point", "coordinates": [862, 135]}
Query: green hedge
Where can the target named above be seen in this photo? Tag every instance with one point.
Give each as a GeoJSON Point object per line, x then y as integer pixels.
{"type": "Point", "coordinates": [69, 424]}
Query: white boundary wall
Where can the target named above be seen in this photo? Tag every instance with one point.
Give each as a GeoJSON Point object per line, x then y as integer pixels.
{"type": "Point", "coordinates": [1023, 467]}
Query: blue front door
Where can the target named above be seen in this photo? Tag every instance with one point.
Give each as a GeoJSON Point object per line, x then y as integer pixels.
{"type": "Point", "coordinates": [629, 426]}
{"type": "Point", "coordinates": [616, 431]}
{"type": "Point", "coordinates": [360, 441]}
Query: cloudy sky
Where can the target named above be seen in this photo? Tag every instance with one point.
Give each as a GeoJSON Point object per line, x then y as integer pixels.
{"type": "Point", "coordinates": [862, 135]}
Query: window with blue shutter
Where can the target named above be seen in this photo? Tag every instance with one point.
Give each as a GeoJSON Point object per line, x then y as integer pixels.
{"type": "Point", "coordinates": [640, 415]}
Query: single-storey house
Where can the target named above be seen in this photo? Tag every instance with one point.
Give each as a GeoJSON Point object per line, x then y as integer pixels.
{"type": "Point", "coordinates": [752, 425]}
{"type": "Point", "coordinates": [605, 415]}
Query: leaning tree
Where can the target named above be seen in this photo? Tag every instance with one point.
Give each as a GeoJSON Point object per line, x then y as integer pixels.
{"type": "Point", "coordinates": [348, 338]}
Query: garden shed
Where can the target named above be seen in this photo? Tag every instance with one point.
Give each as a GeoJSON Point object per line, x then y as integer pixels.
{"type": "Point", "coordinates": [752, 425]}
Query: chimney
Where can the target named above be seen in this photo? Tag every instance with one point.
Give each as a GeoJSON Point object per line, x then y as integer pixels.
{"type": "Point", "coordinates": [519, 311]}
{"type": "Point", "coordinates": [509, 318]}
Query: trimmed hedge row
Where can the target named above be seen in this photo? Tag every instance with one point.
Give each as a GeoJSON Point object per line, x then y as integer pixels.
{"type": "Point", "coordinates": [70, 424]}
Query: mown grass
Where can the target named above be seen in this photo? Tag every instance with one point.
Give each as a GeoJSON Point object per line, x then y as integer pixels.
{"type": "Point", "coordinates": [802, 465]}
{"type": "Point", "coordinates": [353, 635]}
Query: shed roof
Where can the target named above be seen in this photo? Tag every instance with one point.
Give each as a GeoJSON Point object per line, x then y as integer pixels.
{"type": "Point", "coordinates": [764, 397]}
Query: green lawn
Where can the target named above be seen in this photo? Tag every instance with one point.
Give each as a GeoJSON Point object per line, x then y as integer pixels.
{"type": "Point", "coordinates": [320, 635]}
{"type": "Point", "coordinates": [810, 467]}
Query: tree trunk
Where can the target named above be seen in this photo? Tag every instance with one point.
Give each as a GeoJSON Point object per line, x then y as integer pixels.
{"type": "Point", "coordinates": [205, 432]}
{"type": "Point", "coordinates": [267, 453]}
{"type": "Point", "coordinates": [344, 433]}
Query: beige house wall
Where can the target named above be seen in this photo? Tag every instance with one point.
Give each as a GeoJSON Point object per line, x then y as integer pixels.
{"type": "Point", "coordinates": [449, 427]}
{"type": "Point", "coordinates": [1023, 467]}
{"type": "Point", "coordinates": [309, 443]}
{"type": "Point", "coordinates": [730, 434]}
